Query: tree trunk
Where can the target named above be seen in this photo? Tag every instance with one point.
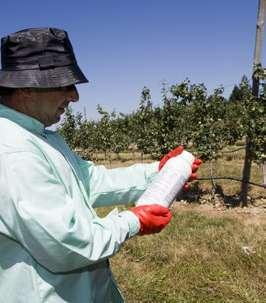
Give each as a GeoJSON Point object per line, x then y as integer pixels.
{"type": "Point", "coordinates": [255, 92]}
{"type": "Point", "coordinates": [264, 173]}
{"type": "Point", "coordinates": [246, 175]}
{"type": "Point", "coordinates": [110, 159]}
{"type": "Point", "coordinates": [248, 161]}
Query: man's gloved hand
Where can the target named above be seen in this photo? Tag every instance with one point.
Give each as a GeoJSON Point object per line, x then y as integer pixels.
{"type": "Point", "coordinates": [175, 152]}
{"type": "Point", "coordinates": [195, 166]}
{"type": "Point", "coordinates": [153, 218]}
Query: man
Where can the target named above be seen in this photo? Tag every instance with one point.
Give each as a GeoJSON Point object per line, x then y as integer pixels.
{"type": "Point", "coordinates": [53, 246]}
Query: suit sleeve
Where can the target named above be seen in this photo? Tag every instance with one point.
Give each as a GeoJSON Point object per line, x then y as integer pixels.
{"type": "Point", "coordinates": [119, 185]}
{"type": "Point", "coordinates": [37, 212]}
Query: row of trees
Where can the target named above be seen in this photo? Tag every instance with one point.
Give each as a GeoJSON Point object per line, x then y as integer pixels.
{"type": "Point", "coordinates": [187, 115]}
{"type": "Point", "coordinates": [204, 123]}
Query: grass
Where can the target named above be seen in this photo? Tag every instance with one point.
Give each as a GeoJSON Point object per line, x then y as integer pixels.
{"type": "Point", "coordinates": [197, 258]}
{"type": "Point", "coordinates": [204, 255]}
{"type": "Point", "coordinates": [231, 168]}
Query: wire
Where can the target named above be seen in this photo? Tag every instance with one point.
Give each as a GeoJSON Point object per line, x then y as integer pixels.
{"type": "Point", "coordinates": [231, 178]}
{"type": "Point", "coordinates": [234, 150]}
{"type": "Point", "coordinates": [233, 84]}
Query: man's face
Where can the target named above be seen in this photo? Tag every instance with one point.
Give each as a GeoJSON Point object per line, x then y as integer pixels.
{"type": "Point", "coordinates": [47, 105]}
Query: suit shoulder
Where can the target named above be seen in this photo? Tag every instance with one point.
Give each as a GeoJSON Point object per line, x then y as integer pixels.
{"type": "Point", "coordinates": [14, 138]}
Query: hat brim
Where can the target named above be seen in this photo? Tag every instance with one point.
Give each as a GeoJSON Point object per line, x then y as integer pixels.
{"type": "Point", "coordinates": [52, 77]}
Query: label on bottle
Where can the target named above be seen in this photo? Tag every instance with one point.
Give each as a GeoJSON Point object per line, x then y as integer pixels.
{"type": "Point", "coordinates": [169, 181]}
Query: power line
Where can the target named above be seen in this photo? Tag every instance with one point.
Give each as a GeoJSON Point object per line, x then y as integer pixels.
{"type": "Point", "coordinates": [233, 179]}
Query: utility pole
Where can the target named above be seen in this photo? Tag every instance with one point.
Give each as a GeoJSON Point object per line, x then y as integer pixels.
{"type": "Point", "coordinates": [255, 92]}
{"type": "Point", "coordinates": [85, 113]}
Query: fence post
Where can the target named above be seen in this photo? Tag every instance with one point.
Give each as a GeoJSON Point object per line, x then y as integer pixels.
{"type": "Point", "coordinates": [264, 172]}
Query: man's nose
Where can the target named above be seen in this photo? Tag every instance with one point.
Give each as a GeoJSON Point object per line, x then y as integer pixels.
{"type": "Point", "coordinates": [72, 94]}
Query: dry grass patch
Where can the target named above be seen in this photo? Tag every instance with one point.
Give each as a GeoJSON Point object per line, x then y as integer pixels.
{"type": "Point", "coordinates": [197, 258]}
{"type": "Point", "coordinates": [208, 253]}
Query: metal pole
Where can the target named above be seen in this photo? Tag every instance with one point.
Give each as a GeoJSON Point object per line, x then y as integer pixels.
{"type": "Point", "coordinates": [255, 90]}
{"type": "Point", "coordinates": [259, 32]}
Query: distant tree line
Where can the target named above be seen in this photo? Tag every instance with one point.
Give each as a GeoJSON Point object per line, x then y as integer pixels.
{"type": "Point", "coordinates": [204, 123]}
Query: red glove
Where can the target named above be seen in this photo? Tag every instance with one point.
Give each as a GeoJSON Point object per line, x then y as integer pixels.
{"type": "Point", "coordinates": [175, 152]}
{"type": "Point", "coordinates": [153, 218]}
{"type": "Point", "coordinates": [195, 166]}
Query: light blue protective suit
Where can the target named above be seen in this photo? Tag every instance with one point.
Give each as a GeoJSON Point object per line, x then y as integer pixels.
{"type": "Point", "coordinates": [53, 246]}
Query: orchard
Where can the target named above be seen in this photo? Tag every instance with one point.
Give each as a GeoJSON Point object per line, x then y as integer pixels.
{"type": "Point", "coordinates": [204, 123]}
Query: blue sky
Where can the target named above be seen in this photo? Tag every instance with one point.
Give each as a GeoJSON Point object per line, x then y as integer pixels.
{"type": "Point", "coordinates": [123, 46]}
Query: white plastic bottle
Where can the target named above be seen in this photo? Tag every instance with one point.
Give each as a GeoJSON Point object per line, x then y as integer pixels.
{"type": "Point", "coordinates": [169, 181]}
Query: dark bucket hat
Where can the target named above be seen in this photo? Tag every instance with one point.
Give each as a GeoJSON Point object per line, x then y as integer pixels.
{"type": "Point", "coordinates": [39, 57]}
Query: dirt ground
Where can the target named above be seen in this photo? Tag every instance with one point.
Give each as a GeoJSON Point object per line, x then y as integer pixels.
{"type": "Point", "coordinates": [253, 214]}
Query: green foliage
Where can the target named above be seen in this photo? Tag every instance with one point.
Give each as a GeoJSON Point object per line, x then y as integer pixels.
{"type": "Point", "coordinates": [248, 115]}
{"type": "Point", "coordinates": [68, 128]}
{"type": "Point", "coordinates": [188, 115]}
{"type": "Point", "coordinates": [235, 95]}
{"type": "Point", "coordinates": [144, 124]}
